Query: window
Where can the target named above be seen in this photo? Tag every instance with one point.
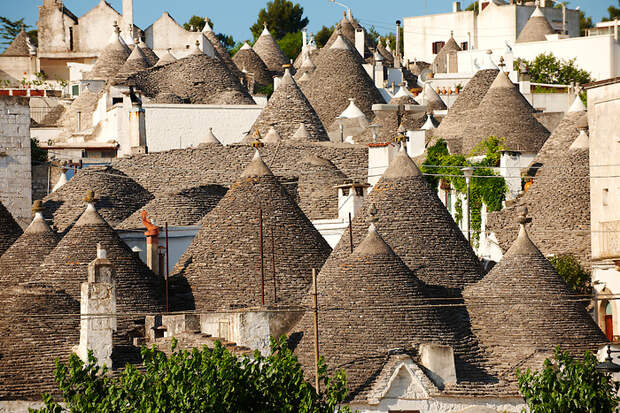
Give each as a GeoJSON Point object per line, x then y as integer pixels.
{"type": "Point", "coordinates": [609, 322]}
{"type": "Point", "coordinates": [71, 38]}
{"type": "Point", "coordinates": [605, 196]}
{"type": "Point", "coordinates": [117, 100]}
{"type": "Point", "coordinates": [75, 90]}
{"type": "Point", "coordinates": [437, 46]}
{"type": "Point", "coordinates": [465, 46]}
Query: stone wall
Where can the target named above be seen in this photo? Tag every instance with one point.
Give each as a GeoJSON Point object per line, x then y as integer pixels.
{"type": "Point", "coordinates": [15, 169]}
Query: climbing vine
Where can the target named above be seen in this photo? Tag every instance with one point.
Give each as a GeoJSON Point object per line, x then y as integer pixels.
{"type": "Point", "coordinates": [440, 166]}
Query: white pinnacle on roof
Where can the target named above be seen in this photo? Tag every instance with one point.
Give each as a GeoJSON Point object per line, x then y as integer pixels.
{"type": "Point", "coordinates": [582, 141]}
{"type": "Point", "coordinates": [402, 92]}
{"type": "Point", "coordinates": [340, 44]}
{"type": "Point", "coordinates": [245, 46]}
{"type": "Point", "coordinates": [166, 59]}
{"type": "Point", "coordinates": [211, 138]}
{"type": "Point", "coordinates": [307, 63]}
{"type": "Point", "coordinates": [387, 46]}
{"type": "Point", "coordinates": [577, 106]}
{"type": "Point", "coordinates": [302, 133]}
{"type": "Point", "coordinates": [272, 136]}
{"type": "Point", "coordinates": [207, 27]}
{"type": "Point", "coordinates": [352, 111]}
{"type": "Point", "coordinates": [488, 63]}
{"type": "Point", "coordinates": [428, 125]}
{"type": "Point", "coordinates": [305, 77]}
{"type": "Point", "coordinates": [61, 181]}
{"type": "Point", "coordinates": [429, 94]}
{"type": "Point", "coordinates": [537, 13]}
{"type": "Point", "coordinates": [265, 31]}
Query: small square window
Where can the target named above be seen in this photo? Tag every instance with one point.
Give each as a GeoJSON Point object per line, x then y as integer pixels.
{"type": "Point", "coordinates": [605, 196]}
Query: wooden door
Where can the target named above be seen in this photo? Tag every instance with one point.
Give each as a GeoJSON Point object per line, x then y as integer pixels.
{"type": "Point", "coordinates": [609, 327]}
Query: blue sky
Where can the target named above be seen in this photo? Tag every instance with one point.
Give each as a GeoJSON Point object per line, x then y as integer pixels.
{"type": "Point", "coordinates": [235, 16]}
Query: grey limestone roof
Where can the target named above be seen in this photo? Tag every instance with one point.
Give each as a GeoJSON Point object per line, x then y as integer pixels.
{"type": "Point", "coordinates": [11, 230]}
{"type": "Point", "coordinates": [523, 305]}
{"type": "Point", "coordinates": [536, 28]}
{"type": "Point", "coordinates": [117, 196]}
{"type": "Point", "coordinates": [559, 203]}
{"type": "Point", "coordinates": [316, 187]}
{"type": "Point", "coordinates": [138, 290]}
{"type": "Point", "coordinates": [135, 62]}
{"type": "Point", "coordinates": [196, 79]}
{"type": "Point", "coordinates": [222, 265]}
{"type": "Point", "coordinates": [563, 135]}
{"type": "Point", "coordinates": [338, 77]}
{"type": "Point", "coordinates": [166, 59]}
{"type": "Point", "coordinates": [389, 122]}
{"type": "Point", "coordinates": [247, 60]}
{"type": "Point", "coordinates": [451, 128]}
{"type": "Point", "coordinates": [30, 345]}
{"type": "Point", "coordinates": [441, 60]}
{"type": "Point", "coordinates": [431, 99]}
{"type": "Point", "coordinates": [111, 59]}
{"type": "Point", "coordinates": [286, 109]}
{"type": "Point", "coordinates": [178, 208]}
{"type": "Point", "coordinates": [23, 258]}
{"type": "Point", "coordinates": [387, 56]}
{"type": "Point", "coordinates": [269, 51]}
{"type": "Point", "coordinates": [414, 222]}
{"type": "Point", "coordinates": [149, 54]}
{"type": "Point", "coordinates": [221, 51]}
{"type": "Point", "coordinates": [344, 28]}
{"type": "Point", "coordinates": [86, 104]}
{"type": "Point", "coordinates": [20, 46]}
{"type": "Point", "coordinates": [371, 303]}
{"type": "Point", "coordinates": [505, 113]}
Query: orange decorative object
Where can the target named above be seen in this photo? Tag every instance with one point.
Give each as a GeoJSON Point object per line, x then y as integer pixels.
{"type": "Point", "coordinates": [527, 185]}
{"type": "Point", "coordinates": [151, 230]}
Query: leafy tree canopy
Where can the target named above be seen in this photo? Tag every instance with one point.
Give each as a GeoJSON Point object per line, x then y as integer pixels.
{"type": "Point", "coordinates": [614, 13]}
{"type": "Point", "coordinates": [282, 17]}
{"type": "Point", "coordinates": [291, 44]}
{"type": "Point", "coordinates": [207, 380]}
{"type": "Point", "coordinates": [546, 68]}
{"type": "Point", "coordinates": [568, 385]}
{"type": "Point", "coordinates": [322, 36]}
{"type": "Point", "coordinates": [9, 29]}
{"type": "Point", "coordinates": [197, 23]}
{"type": "Point", "coordinates": [570, 269]}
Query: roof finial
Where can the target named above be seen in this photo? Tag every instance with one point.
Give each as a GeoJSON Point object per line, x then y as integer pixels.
{"type": "Point", "coordinates": [501, 63]}
{"type": "Point", "coordinates": [116, 28]}
{"type": "Point", "coordinates": [37, 206]}
{"type": "Point", "coordinates": [372, 211]}
{"type": "Point", "coordinates": [523, 219]}
{"type": "Point", "coordinates": [23, 27]}
{"type": "Point", "coordinates": [452, 34]}
{"type": "Point", "coordinates": [265, 25]}
{"type": "Point", "coordinates": [90, 196]}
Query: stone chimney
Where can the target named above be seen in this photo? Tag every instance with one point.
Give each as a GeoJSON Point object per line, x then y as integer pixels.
{"type": "Point", "coordinates": [379, 157]}
{"type": "Point", "coordinates": [397, 55]}
{"type": "Point", "coordinates": [360, 39]}
{"type": "Point", "coordinates": [127, 21]}
{"type": "Point", "coordinates": [137, 125]}
{"type": "Point", "coordinates": [350, 198]}
{"type": "Point", "coordinates": [439, 360]}
{"type": "Point", "coordinates": [98, 309]}
{"type": "Point", "coordinates": [152, 244]}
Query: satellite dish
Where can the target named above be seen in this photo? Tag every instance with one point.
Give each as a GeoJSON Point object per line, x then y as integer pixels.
{"type": "Point", "coordinates": [426, 74]}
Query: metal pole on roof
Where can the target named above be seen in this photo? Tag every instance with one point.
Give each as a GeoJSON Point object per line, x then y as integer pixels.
{"type": "Point", "coordinates": [167, 267]}
{"type": "Point", "coordinates": [273, 267]}
{"type": "Point", "coordinates": [350, 231]}
{"type": "Point", "coordinates": [262, 263]}
{"type": "Point", "coordinates": [315, 306]}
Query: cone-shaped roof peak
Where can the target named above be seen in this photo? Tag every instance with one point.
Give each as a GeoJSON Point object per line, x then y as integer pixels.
{"type": "Point", "coordinates": [502, 81]}
{"type": "Point", "coordinates": [207, 27]}
{"type": "Point", "coordinates": [340, 44]}
{"type": "Point", "coordinates": [90, 216]}
{"type": "Point", "coordinates": [582, 141]}
{"type": "Point", "coordinates": [302, 133]}
{"type": "Point", "coordinates": [256, 168]}
{"type": "Point", "coordinates": [352, 111]}
{"type": "Point", "coordinates": [245, 46]}
{"type": "Point", "coordinates": [373, 244]}
{"type": "Point", "coordinates": [272, 136]}
{"type": "Point", "coordinates": [402, 166]}
{"type": "Point", "coordinates": [166, 59]}
{"type": "Point", "coordinates": [38, 225]}
{"type": "Point", "coordinates": [523, 245]}
{"type": "Point", "coordinates": [537, 13]}
{"type": "Point", "coordinates": [536, 29]}
{"type": "Point", "coordinates": [211, 138]}
{"type": "Point", "coordinates": [431, 99]}
{"type": "Point", "coordinates": [577, 106]}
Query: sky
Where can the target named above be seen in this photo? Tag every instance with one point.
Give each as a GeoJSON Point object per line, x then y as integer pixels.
{"type": "Point", "coordinates": [236, 16]}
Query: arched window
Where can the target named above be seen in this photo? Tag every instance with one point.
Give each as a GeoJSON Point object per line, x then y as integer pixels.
{"type": "Point", "coordinates": [609, 321]}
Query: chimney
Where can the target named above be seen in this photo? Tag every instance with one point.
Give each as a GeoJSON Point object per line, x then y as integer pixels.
{"type": "Point", "coordinates": [152, 244]}
{"type": "Point", "coordinates": [128, 21]}
{"type": "Point", "coordinates": [456, 6]}
{"type": "Point", "coordinates": [304, 38]}
{"type": "Point", "coordinates": [439, 360]}
{"type": "Point", "coordinates": [137, 124]}
{"type": "Point", "coordinates": [379, 157]}
{"type": "Point", "coordinates": [98, 309]}
{"type": "Point", "coordinates": [79, 121]}
{"type": "Point", "coordinates": [359, 41]}
{"type": "Point", "coordinates": [397, 56]}
{"type": "Point", "coordinates": [350, 198]}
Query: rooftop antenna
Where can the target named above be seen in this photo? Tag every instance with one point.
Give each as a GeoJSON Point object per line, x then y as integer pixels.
{"type": "Point", "coordinates": [343, 5]}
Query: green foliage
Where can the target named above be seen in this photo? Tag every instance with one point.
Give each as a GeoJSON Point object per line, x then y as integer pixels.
{"type": "Point", "coordinates": [472, 7]}
{"type": "Point", "coordinates": [9, 29]}
{"type": "Point", "coordinates": [207, 380]}
{"type": "Point", "coordinates": [614, 13]}
{"type": "Point", "coordinates": [373, 36]}
{"type": "Point", "coordinates": [198, 23]}
{"type": "Point", "coordinates": [391, 36]}
{"type": "Point", "coordinates": [546, 68]}
{"type": "Point", "coordinates": [566, 385]}
{"type": "Point", "coordinates": [291, 44]}
{"type": "Point", "coordinates": [282, 17]}
{"type": "Point", "coordinates": [490, 191]}
{"type": "Point", "coordinates": [37, 155]}
{"type": "Point", "coordinates": [322, 36]}
{"type": "Point", "coordinates": [570, 269]}
{"type": "Point", "coordinates": [265, 90]}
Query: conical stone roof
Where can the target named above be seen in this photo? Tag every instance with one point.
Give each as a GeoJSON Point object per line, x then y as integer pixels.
{"type": "Point", "coordinates": [210, 139]}
{"type": "Point", "coordinates": [23, 258]}
{"type": "Point", "coordinates": [112, 58]}
{"type": "Point", "coordinates": [523, 304]}
{"type": "Point", "coordinates": [440, 64]}
{"type": "Point", "coordinates": [138, 290]}
{"type": "Point", "coordinates": [504, 112]}
{"type": "Point", "coordinates": [451, 127]}
{"type": "Point", "coordinates": [431, 99]}
{"type": "Point", "coordinates": [196, 79]}
{"type": "Point", "coordinates": [286, 109]}
{"type": "Point", "coordinates": [338, 77]}
{"type": "Point", "coordinates": [536, 29]}
{"type": "Point", "coordinates": [222, 265]}
{"type": "Point", "coordinates": [20, 46]}
{"type": "Point", "coordinates": [178, 208]}
{"type": "Point", "coordinates": [414, 222]}
{"type": "Point", "coordinates": [387, 55]}
{"type": "Point", "coordinates": [272, 136]}
{"type": "Point", "coordinates": [11, 230]}
{"type": "Point", "coordinates": [221, 51]}
{"type": "Point", "coordinates": [559, 203]}
{"type": "Point", "coordinates": [149, 54]}
{"type": "Point", "coordinates": [30, 345]}
{"type": "Point", "coordinates": [564, 134]}
{"type": "Point", "coordinates": [247, 60]}
{"type": "Point", "coordinates": [317, 195]}
{"type": "Point", "coordinates": [166, 59]}
{"type": "Point", "coordinates": [135, 62]}
{"type": "Point", "coordinates": [116, 197]}
{"type": "Point", "coordinates": [269, 51]}
{"type": "Point", "coordinates": [344, 28]}
{"type": "Point", "coordinates": [371, 303]}
{"type": "Point", "coordinates": [403, 97]}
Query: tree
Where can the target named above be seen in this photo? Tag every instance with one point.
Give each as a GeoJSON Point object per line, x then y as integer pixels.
{"type": "Point", "coordinates": [546, 68]}
{"type": "Point", "coordinates": [197, 23]}
{"type": "Point", "coordinates": [567, 385]}
{"type": "Point", "coordinates": [322, 36]}
{"type": "Point", "coordinates": [570, 269]}
{"type": "Point", "coordinates": [9, 29]}
{"type": "Point", "coordinates": [291, 44]}
{"type": "Point", "coordinates": [207, 380]}
{"type": "Point", "coordinates": [614, 13]}
{"type": "Point", "coordinates": [37, 155]}
{"type": "Point", "coordinates": [282, 17]}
